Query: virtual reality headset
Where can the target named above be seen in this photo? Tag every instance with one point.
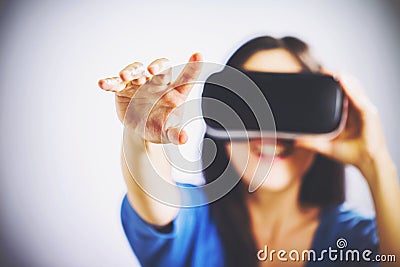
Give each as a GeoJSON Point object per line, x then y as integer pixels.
{"type": "Point", "coordinates": [247, 104]}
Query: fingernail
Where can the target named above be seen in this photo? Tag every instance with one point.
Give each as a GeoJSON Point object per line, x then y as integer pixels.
{"type": "Point", "coordinates": [154, 69]}
{"type": "Point", "coordinates": [182, 138]}
{"type": "Point", "coordinates": [195, 57]}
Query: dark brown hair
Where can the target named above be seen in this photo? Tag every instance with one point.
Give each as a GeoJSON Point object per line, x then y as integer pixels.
{"type": "Point", "coordinates": [322, 185]}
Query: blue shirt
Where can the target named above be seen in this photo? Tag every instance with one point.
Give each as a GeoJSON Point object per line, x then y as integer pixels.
{"type": "Point", "coordinates": [194, 240]}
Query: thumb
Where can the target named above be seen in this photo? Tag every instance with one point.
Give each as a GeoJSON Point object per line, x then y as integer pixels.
{"type": "Point", "coordinates": [343, 151]}
{"type": "Point", "coordinates": [320, 145]}
{"type": "Point", "coordinates": [176, 135]}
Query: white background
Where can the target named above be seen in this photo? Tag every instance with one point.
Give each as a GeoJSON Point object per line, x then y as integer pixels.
{"type": "Point", "coordinates": [61, 185]}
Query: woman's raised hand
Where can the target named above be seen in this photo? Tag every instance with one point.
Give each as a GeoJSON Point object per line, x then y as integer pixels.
{"type": "Point", "coordinates": [146, 99]}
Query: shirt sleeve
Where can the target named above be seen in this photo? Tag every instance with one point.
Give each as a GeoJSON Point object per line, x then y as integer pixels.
{"type": "Point", "coordinates": [183, 245]}
{"type": "Point", "coordinates": [361, 233]}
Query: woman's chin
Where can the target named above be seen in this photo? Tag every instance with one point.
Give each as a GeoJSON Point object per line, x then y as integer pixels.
{"type": "Point", "coordinates": [277, 180]}
{"type": "Point", "coordinates": [273, 185]}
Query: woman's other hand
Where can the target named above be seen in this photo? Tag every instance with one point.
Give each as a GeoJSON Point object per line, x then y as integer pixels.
{"type": "Point", "coordinates": [361, 143]}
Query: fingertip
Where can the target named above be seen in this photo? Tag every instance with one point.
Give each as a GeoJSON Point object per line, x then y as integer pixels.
{"type": "Point", "coordinates": [124, 75]}
{"type": "Point", "coordinates": [329, 72]}
{"type": "Point", "coordinates": [152, 69]}
{"type": "Point", "coordinates": [100, 83]}
{"type": "Point", "coordinates": [160, 65]}
{"type": "Point", "coordinates": [103, 84]}
{"type": "Point", "coordinates": [177, 136]}
{"type": "Point", "coordinates": [183, 138]}
{"type": "Point", "coordinates": [196, 57]}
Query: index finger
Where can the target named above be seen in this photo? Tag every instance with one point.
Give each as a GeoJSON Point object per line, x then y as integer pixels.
{"type": "Point", "coordinates": [353, 90]}
{"type": "Point", "coordinates": [132, 71]}
{"type": "Point", "coordinates": [189, 74]}
{"type": "Point", "coordinates": [356, 93]}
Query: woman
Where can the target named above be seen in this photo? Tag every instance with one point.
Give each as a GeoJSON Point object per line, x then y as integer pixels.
{"type": "Point", "coordinates": [299, 207]}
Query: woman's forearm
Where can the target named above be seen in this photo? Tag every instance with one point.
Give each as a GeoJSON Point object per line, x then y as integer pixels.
{"type": "Point", "coordinates": [382, 178]}
{"type": "Point", "coordinates": [142, 163]}
{"type": "Point", "coordinates": [144, 100]}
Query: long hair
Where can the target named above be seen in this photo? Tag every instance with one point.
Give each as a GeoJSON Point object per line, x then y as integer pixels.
{"type": "Point", "coordinates": [322, 185]}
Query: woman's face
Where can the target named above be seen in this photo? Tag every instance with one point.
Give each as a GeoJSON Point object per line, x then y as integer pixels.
{"type": "Point", "coordinates": [252, 159]}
